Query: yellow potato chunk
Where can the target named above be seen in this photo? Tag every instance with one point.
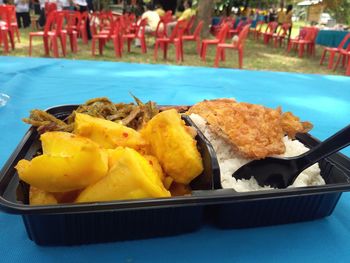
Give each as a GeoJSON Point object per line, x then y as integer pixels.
{"type": "Point", "coordinates": [173, 146]}
{"type": "Point", "coordinates": [107, 134]}
{"type": "Point", "coordinates": [40, 197]}
{"type": "Point", "coordinates": [131, 177]}
{"type": "Point", "coordinates": [69, 162]}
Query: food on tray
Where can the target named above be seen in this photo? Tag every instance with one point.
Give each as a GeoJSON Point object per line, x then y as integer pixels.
{"type": "Point", "coordinates": [242, 144]}
{"type": "Point", "coordinates": [103, 160]}
{"type": "Point", "coordinates": [253, 130]}
{"type": "Point", "coordinates": [41, 197]}
{"type": "Point", "coordinates": [131, 177]}
{"type": "Point", "coordinates": [69, 162]}
{"type": "Point", "coordinates": [130, 115]}
{"type": "Point", "coordinates": [106, 133]}
{"type": "Point", "coordinates": [173, 143]}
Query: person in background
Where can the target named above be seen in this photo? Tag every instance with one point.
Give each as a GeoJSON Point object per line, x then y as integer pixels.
{"type": "Point", "coordinates": [281, 15]}
{"type": "Point", "coordinates": [179, 10]}
{"type": "Point", "coordinates": [288, 19]}
{"type": "Point", "coordinates": [152, 21]}
{"type": "Point", "coordinates": [187, 13]}
{"type": "Point", "coordinates": [272, 14]}
{"type": "Point", "coordinates": [22, 13]}
{"type": "Point", "coordinates": [185, 16]}
{"type": "Point", "coordinates": [82, 6]}
{"type": "Point", "coordinates": [246, 11]}
{"type": "Point", "coordinates": [160, 10]}
{"type": "Point", "coordinates": [64, 4]}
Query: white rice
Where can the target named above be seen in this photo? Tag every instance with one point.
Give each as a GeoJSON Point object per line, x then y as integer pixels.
{"type": "Point", "coordinates": [230, 161]}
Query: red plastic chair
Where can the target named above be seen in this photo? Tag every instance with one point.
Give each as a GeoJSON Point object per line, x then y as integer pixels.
{"type": "Point", "coordinates": [49, 8]}
{"type": "Point", "coordinates": [114, 33]}
{"type": "Point", "coordinates": [139, 34]}
{"type": "Point", "coordinates": [281, 34]}
{"type": "Point", "coordinates": [221, 36]}
{"type": "Point", "coordinates": [305, 39]}
{"type": "Point", "coordinates": [257, 30]}
{"type": "Point", "coordinates": [196, 36]}
{"type": "Point", "coordinates": [239, 46]}
{"type": "Point", "coordinates": [82, 31]}
{"type": "Point", "coordinates": [73, 20]}
{"type": "Point", "coordinates": [14, 25]}
{"type": "Point", "coordinates": [236, 30]}
{"type": "Point", "coordinates": [333, 51]}
{"type": "Point", "coordinates": [175, 38]}
{"type": "Point", "coordinates": [344, 56]}
{"type": "Point", "coordinates": [269, 32]}
{"type": "Point", "coordinates": [5, 29]}
{"type": "Point", "coordinates": [52, 31]}
{"type": "Point", "coordinates": [189, 26]}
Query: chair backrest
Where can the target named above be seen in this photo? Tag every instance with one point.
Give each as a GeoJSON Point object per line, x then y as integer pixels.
{"type": "Point", "coordinates": [73, 20]}
{"type": "Point", "coordinates": [271, 27]}
{"type": "Point", "coordinates": [50, 22]}
{"type": "Point", "coordinates": [221, 36]}
{"type": "Point", "coordinates": [198, 29]}
{"type": "Point", "coordinates": [141, 27]}
{"type": "Point", "coordinates": [160, 30]}
{"type": "Point", "coordinates": [5, 15]}
{"type": "Point", "coordinates": [190, 24]}
{"type": "Point", "coordinates": [50, 7]}
{"type": "Point", "coordinates": [344, 40]}
{"type": "Point", "coordinates": [12, 10]}
{"type": "Point", "coordinates": [259, 26]}
{"type": "Point", "coordinates": [311, 34]}
{"type": "Point", "coordinates": [178, 30]}
{"type": "Point", "coordinates": [243, 36]}
{"type": "Point", "coordinates": [283, 29]}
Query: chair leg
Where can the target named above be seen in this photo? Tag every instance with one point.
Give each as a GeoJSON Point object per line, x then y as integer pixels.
{"type": "Point", "coordinates": [143, 45]}
{"type": "Point", "coordinates": [6, 43]}
{"type": "Point", "coordinates": [46, 46]}
{"type": "Point", "coordinates": [129, 44]}
{"type": "Point", "coordinates": [217, 56]}
{"type": "Point", "coordinates": [301, 50]}
{"type": "Point", "coordinates": [240, 58]}
{"type": "Point", "coordinates": [198, 46]}
{"type": "Point", "coordinates": [30, 46]}
{"type": "Point", "coordinates": [93, 42]}
{"type": "Point", "coordinates": [204, 51]}
{"type": "Point", "coordinates": [331, 60]}
{"type": "Point", "coordinates": [323, 56]}
{"type": "Point", "coordinates": [63, 40]}
{"type": "Point", "coordinates": [222, 55]}
{"type": "Point", "coordinates": [55, 47]}
{"type": "Point", "coordinates": [156, 50]}
{"type": "Point", "coordinates": [18, 35]}
{"type": "Point", "coordinates": [165, 50]}
{"type": "Point", "coordinates": [347, 73]}
{"type": "Point", "coordinates": [100, 46]}
{"type": "Point", "coordinates": [337, 63]}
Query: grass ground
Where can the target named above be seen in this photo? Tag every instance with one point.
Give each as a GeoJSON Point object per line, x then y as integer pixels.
{"type": "Point", "coordinates": [257, 56]}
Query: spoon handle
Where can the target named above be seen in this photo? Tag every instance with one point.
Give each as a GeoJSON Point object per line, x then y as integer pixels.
{"type": "Point", "coordinates": [333, 144]}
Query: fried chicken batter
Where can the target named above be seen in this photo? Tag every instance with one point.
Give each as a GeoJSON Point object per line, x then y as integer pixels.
{"type": "Point", "coordinates": [254, 130]}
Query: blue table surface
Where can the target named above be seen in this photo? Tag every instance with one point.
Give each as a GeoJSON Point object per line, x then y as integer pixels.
{"type": "Point", "coordinates": [42, 83]}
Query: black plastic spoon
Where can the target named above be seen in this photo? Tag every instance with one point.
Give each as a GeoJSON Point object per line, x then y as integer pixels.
{"type": "Point", "coordinates": [282, 172]}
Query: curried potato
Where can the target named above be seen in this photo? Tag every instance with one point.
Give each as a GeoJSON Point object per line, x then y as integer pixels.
{"type": "Point", "coordinates": [107, 134]}
{"type": "Point", "coordinates": [69, 162]}
{"type": "Point", "coordinates": [173, 146]}
{"type": "Point", "coordinates": [41, 197]}
{"type": "Point", "coordinates": [131, 177]}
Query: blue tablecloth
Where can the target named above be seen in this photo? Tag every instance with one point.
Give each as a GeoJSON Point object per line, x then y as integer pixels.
{"type": "Point", "coordinates": [331, 38]}
{"type": "Point", "coordinates": [42, 83]}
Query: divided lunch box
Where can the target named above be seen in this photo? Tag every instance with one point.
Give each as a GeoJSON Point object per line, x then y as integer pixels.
{"type": "Point", "coordinates": [72, 224]}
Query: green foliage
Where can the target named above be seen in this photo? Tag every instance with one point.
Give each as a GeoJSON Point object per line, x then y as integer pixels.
{"type": "Point", "coordinates": [339, 9]}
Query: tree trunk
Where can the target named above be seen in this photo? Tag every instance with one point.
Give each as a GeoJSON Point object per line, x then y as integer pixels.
{"type": "Point", "coordinates": [205, 8]}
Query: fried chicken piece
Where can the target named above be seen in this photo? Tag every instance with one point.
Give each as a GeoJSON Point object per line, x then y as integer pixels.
{"type": "Point", "coordinates": [292, 125]}
{"type": "Point", "coordinates": [254, 130]}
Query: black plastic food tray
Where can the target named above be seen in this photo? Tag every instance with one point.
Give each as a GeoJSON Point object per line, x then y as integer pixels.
{"type": "Point", "coordinates": [72, 224]}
